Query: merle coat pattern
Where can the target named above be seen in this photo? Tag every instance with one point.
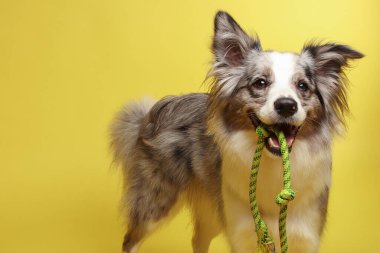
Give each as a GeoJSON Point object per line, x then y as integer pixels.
{"type": "Point", "coordinates": [196, 149]}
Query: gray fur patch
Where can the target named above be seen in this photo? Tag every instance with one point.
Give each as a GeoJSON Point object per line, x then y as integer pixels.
{"type": "Point", "coordinates": [164, 152]}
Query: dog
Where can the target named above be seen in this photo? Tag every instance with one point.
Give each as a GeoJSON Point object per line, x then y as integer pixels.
{"type": "Point", "coordinates": [196, 149]}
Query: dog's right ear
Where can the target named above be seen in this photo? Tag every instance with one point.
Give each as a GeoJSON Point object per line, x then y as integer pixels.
{"type": "Point", "coordinates": [231, 44]}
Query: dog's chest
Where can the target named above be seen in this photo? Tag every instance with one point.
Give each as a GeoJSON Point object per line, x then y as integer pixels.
{"type": "Point", "coordinates": [310, 172]}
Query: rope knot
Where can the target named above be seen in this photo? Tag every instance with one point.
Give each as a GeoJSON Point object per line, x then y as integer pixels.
{"type": "Point", "coordinates": [285, 196]}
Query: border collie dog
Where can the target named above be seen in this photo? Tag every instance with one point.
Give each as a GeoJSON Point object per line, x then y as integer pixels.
{"type": "Point", "coordinates": [196, 149]}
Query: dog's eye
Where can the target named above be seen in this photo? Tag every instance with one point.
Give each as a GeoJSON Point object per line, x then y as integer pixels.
{"type": "Point", "coordinates": [260, 83]}
{"type": "Point", "coordinates": [302, 86]}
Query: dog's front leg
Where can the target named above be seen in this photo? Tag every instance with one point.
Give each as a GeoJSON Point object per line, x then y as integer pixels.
{"type": "Point", "coordinates": [304, 229]}
{"type": "Point", "coordinates": [240, 229]}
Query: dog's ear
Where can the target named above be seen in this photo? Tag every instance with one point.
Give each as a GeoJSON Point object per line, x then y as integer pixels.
{"type": "Point", "coordinates": [326, 63]}
{"type": "Point", "coordinates": [330, 58]}
{"type": "Point", "coordinates": [231, 44]}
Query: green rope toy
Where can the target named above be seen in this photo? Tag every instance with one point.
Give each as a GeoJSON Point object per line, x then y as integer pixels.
{"type": "Point", "coordinates": [264, 239]}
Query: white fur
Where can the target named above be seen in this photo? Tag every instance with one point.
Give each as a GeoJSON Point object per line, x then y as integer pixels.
{"type": "Point", "coordinates": [283, 68]}
{"type": "Point", "coordinates": [135, 248]}
{"type": "Point", "coordinates": [310, 176]}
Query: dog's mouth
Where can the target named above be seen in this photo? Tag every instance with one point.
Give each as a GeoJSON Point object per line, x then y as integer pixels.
{"type": "Point", "coordinates": [271, 142]}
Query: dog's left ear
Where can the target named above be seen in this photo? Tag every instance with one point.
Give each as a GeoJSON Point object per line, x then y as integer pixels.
{"type": "Point", "coordinates": [231, 44]}
{"type": "Point", "coordinates": [326, 63]}
{"type": "Point", "coordinates": [330, 58]}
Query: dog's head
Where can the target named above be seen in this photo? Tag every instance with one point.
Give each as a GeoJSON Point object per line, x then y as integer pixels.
{"type": "Point", "coordinates": [295, 93]}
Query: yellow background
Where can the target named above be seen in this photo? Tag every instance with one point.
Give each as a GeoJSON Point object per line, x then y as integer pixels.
{"type": "Point", "coordinates": [67, 66]}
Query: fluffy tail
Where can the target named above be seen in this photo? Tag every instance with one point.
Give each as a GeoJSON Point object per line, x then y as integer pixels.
{"type": "Point", "coordinates": [125, 130]}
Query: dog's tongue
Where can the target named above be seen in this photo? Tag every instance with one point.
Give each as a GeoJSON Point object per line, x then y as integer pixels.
{"type": "Point", "coordinates": [289, 141]}
{"type": "Point", "coordinates": [274, 141]}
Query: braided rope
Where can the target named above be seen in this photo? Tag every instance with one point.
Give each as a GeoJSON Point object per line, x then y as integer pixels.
{"type": "Point", "coordinates": [264, 239]}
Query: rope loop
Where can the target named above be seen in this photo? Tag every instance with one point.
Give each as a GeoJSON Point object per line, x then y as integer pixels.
{"type": "Point", "coordinates": [285, 196]}
{"type": "Point", "coordinates": [264, 238]}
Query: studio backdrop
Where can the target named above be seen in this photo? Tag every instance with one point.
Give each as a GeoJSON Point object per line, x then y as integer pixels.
{"type": "Point", "coordinates": [66, 67]}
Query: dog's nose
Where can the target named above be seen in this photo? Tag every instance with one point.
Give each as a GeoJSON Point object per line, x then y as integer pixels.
{"type": "Point", "coordinates": [286, 107]}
